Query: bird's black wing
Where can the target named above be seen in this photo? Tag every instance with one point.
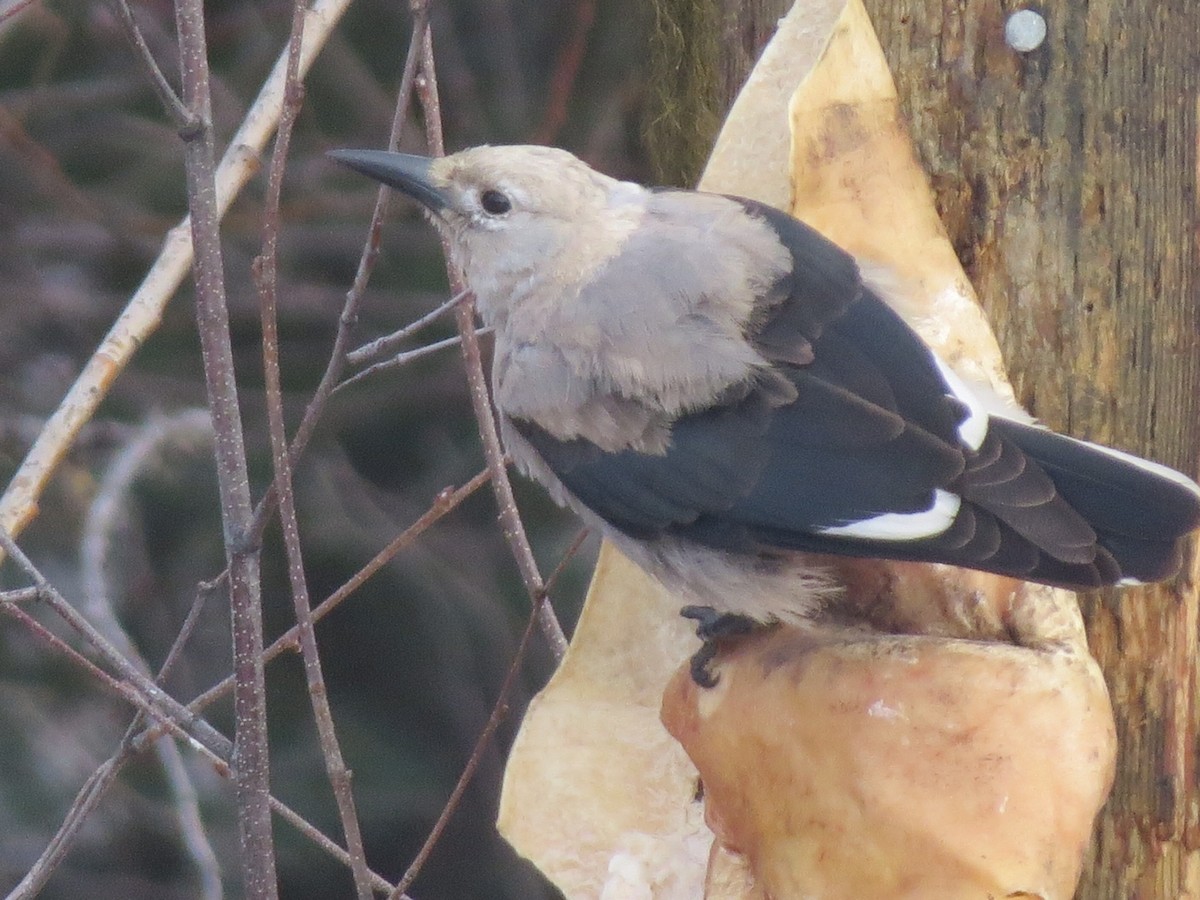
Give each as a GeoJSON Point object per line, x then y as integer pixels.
{"type": "Point", "coordinates": [877, 455]}
{"type": "Point", "coordinates": [858, 341]}
{"type": "Point", "coordinates": [827, 459]}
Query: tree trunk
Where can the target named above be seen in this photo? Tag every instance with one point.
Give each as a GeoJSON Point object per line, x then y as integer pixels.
{"type": "Point", "coordinates": [700, 54]}
{"type": "Point", "coordinates": [1066, 177]}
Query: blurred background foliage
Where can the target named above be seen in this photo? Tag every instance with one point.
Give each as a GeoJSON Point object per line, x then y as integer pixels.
{"type": "Point", "coordinates": [91, 178]}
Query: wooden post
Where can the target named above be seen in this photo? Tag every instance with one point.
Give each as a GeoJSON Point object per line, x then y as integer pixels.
{"type": "Point", "coordinates": [1067, 177]}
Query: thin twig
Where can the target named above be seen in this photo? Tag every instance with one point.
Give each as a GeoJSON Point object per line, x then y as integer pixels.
{"type": "Point", "coordinates": [20, 595]}
{"type": "Point", "coordinates": [366, 265]}
{"type": "Point", "coordinates": [86, 800]}
{"type": "Point", "coordinates": [379, 884]}
{"type": "Point", "coordinates": [566, 70]}
{"type": "Point", "coordinates": [103, 777]}
{"type": "Point", "coordinates": [143, 312]}
{"type": "Point", "coordinates": [102, 520]}
{"type": "Point", "coordinates": [98, 783]}
{"type": "Point", "coordinates": [134, 684]}
{"type": "Point", "coordinates": [266, 280]}
{"type": "Point", "coordinates": [251, 756]}
{"type": "Point", "coordinates": [121, 688]}
{"type": "Point", "coordinates": [135, 741]}
{"type": "Point", "coordinates": [568, 555]}
{"type": "Point", "coordinates": [499, 710]}
{"type": "Point", "coordinates": [464, 314]}
{"type": "Point", "coordinates": [179, 113]}
{"type": "Point", "coordinates": [148, 698]}
{"type": "Point", "coordinates": [208, 871]}
{"type": "Point", "coordinates": [446, 501]}
{"type": "Point", "coordinates": [403, 359]}
{"type": "Point", "coordinates": [389, 342]}
{"type": "Point", "coordinates": [204, 590]}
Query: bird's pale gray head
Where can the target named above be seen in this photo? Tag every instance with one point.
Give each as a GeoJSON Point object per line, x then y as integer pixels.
{"type": "Point", "coordinates": [513, 213]}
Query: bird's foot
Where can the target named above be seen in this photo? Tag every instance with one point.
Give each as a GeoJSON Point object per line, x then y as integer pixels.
{"type": "Point", "coordinates": [712, 628]}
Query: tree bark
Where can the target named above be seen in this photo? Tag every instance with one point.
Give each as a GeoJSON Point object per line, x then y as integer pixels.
{"type": "Point", "coordinates": [1067, 179]}
{"type": "Point", "coordinates": [700, 54]}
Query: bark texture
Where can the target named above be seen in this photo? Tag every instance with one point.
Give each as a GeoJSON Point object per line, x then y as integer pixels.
{"type": "Point", "coordinates": [1067, 178]}
{"type": "Point", "coordinates": [700, 54]}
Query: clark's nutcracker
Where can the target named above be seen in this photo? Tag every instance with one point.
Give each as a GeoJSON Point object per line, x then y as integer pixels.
{"type": "Point", "coordinates": [710, 383]}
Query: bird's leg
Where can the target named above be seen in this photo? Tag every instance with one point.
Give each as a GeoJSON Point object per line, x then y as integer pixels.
{"type": "Point", "coordinates": [713, 627]}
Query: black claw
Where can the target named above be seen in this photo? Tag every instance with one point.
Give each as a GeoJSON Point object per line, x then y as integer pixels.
{"type": "Point", "coordinates": [701, 674]}
{"type": "Point", "coordinates": [713, 627]}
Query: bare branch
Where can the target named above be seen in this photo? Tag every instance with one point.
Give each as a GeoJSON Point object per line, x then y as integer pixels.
{"type": "Point", "coordinates": [386, 344]}
{"type": "Point", "coordinates": [569, 554]}
{"type": "Point", "coordinates": [98, 783]}
{"type": "Point", "coordinates": [86, 800]}
{"type": "Point", "coordinates": [499, 711]}
{"type": "Point", "coordinates": [251, 755]}
{"type": "Point", "coordinates": [366, 265]}
{"type": "Point", "coordinates": [446, 501]}
{"type": "Point", "coordinates": [100, 780]}
{"type": "Point", "coordinates": [142, 314]}
{"type": "Point", "coordinates": [379, 884]}
{"type": "Point", "coordinates": [135, 741]}
{"type": "Point", "coordinates": [95, 548]}
{"type": "Point", "coordinates": [266, 279]}
{"type": "Point", "coordinates": [20, 595]}
{"type": "Point", "coordinates": [510, 518]}
{"type": "Point", "coordinates": [134, 685]}
{"type": "Point", "coordinates": [403, 359]}
{"type": "Point", "coordinates": [179, 113]}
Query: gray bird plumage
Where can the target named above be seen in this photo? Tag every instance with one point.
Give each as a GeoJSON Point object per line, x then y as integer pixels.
{"type": "Point", "coordinates": [711, 384]}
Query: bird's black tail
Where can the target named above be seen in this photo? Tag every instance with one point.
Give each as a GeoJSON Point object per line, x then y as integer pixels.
{"type": "Point", "coordinates": [1138, 511]}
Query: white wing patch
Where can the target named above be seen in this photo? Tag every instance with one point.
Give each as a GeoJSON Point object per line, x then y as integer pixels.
{"type": "Point", "coordinates": [903, 526]}
{"type": "Point", "coordinates": [973, 429]}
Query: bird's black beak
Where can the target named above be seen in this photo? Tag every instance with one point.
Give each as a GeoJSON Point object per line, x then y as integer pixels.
{"type": "Point", "coordinates": [403, 171]}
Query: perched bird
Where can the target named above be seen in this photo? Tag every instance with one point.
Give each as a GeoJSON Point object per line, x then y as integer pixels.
{"type": "Point", "coordinates": [711, 384]}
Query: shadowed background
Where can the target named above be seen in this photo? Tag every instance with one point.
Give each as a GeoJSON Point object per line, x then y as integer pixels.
{"type": "Point", "coordinates": [1067, 180]}
{"type": "Point", "coordinates": [90, 179]}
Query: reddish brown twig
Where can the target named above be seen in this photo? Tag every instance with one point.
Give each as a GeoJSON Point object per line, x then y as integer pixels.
{"type": "Point", "coordinates": [105, 775]}
{"type": "Point", "coordinates": [266, 280]}
{"type": "Point", "coordinates": [499, 711]}
{"type": "Point", "coordinates": [566, 70]}
{"type": "Point", "coordinates": [134, 684]}
{"type": "Point", "coordinates": [366, 265]}
{"type": "Point", "coordinates": [446, 501]}
{"type": "Point", "coordinates": [101, 779]}
{"type": "Point", "coordinates": [132, 744]}
{"type": "Point", "coordinates": [464, 315]}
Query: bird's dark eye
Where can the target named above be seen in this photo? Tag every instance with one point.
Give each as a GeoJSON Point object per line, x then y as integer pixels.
{"type": "Point", "coordinates": [494, 203]}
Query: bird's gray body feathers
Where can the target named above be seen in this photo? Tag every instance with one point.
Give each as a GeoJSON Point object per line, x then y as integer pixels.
{"type": "Point", "coordinates": [613, 359]}
{"type": "Point", "coordinates": [711, 384]}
